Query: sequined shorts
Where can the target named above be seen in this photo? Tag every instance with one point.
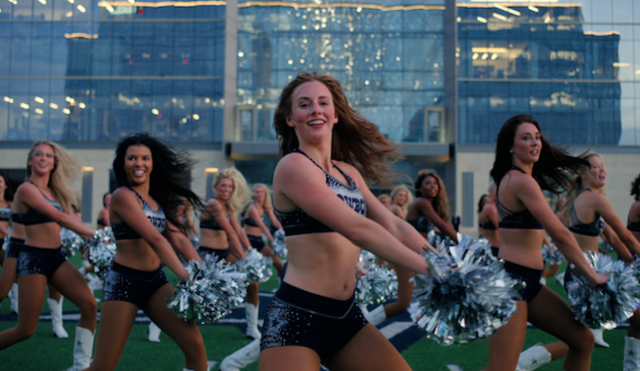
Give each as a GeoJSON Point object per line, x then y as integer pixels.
{"type": "Point", "coordinates": [131, 285]}
{"type": "Point", "coordinates": [204, 251]}
{"type": "Point", "coordinates": [529, 276]}
{"type": "Point", "coordinates": [256, 242]}
{"type": "Point", "coordinates": [36, 260]}
{"type": "Point", "coordinates": [300, 318]}
{"type": "Point", "coordinates": [495, 251]}
{"type": "Point", "coordinates": [14, 248]}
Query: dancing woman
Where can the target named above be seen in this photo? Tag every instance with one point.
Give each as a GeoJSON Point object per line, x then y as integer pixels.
{"type": "Point", "coordinates": [43, 204]}
{"type": "Point", "coordinates": [589, 214]}
{"type": "Point", "coordinates": [525, 164]}
{"type": "Point", "coordinates": [145, 228]}
{"type": "Point", "coordinates": [5, 209]}
{"type": "Point", "coordinates": [402, 198]}
{"type": "Point", "coordinates": [488, 219]}
{"type": "Point", "coordinates": [254, 225]}
{"type": "Point", "coordinates": [430, 208]}
{"type": "Point", "coordinates": [328, 213]}
{"type": "Point", "coordinates": [103, 215]}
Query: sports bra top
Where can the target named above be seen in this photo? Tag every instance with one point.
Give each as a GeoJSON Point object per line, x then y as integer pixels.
{"type": "Point", "coordinates": [515, 220]}
{"type": "Point", "coordinates": [5, 213]}
{"type": "Point", "coordinates": [488, 225]}
{"type": "Point", "coordinates": [102, 222]}
{"type": "Point", "coordinates": [633, 226]}
{"type": "Point", "coordinates": [586, 229]}
{"type": "Point", "coordinates": [122, 231]}
{"type": "Point", "coordinates": [212, 223]}
{"type": "Point", "coordinates": [16, 218]}
{"type": "Point", "coordinates": [422, 224]}
{"type": "Point", "coordinates": [32, 216]}
{"type": "Point", "coordinates": [252, 223]}
{"type": "Point", "coordinates": [299, 222]}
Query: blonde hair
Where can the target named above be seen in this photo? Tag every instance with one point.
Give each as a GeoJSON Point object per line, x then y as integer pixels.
{"type": "Point", "coordinates": [576, 187]}
{"type": "Point", "coordinates": [65, 168]}
{"type": "Point", "coordinates": [398, 189]}
{"type": "Point", "coordinates": [267, 198]}
{"type": "Point", "coordinates": [240, 195]}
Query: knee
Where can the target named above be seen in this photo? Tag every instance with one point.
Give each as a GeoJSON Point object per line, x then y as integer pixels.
{"type": "Point", "coordinates": [89, 306]}
{"type": "Point", "coordinates": [26, 332]}
{"type": "Point", "coordinates": [193, 346]}
{"type": "Point", "coordinates": [584, 342]}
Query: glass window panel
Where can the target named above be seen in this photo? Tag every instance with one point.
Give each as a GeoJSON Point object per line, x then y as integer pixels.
{"type": "Point", "coordinates": [625, 63]}
{"type": "Point", "coordinates": [622, 10]}
{"type": "Point", "coordinates": [602, 12]}
{"type": "Point", "coordinates": [628, 123]}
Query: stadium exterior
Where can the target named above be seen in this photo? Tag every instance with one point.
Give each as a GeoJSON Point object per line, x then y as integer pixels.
{"type": "Point", "coordinates": [438, 77]}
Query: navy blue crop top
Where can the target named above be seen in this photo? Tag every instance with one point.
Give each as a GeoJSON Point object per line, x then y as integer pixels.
{"type": "Point", "coordinates": [515, 220]}
{"type": "Point", "coordinates": [488, 225]}
{"type": "Point", "coordinates": [633, 226]}
{"type": "Point", "coordinates": [586, 229]}
{"type": "Point", "coordinates": [122, 231]}
{"type": "Point", "coordinates": [16, 218]}
{"type": "Point", "coordinates": [5, 213]}
{"type": "Point", "coordinates": [299, 222]}
{"type": "Point", "coordinates": [422, 224]}
{"type": "Point", "coordinates": [32, 216]}
{"type": "Point", "coordinates": [212, 223]}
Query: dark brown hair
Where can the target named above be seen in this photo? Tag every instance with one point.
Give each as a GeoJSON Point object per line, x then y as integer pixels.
{"type": "Point", "coordinates": [440, 203]}
{"type": "Point", "coordinates": [635, 191]}
{"type": "Point", "coordinates": [355, 140]}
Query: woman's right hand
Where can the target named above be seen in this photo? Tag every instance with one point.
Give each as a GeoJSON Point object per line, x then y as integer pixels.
{"type": "Point", "coordinates": [598, 280]}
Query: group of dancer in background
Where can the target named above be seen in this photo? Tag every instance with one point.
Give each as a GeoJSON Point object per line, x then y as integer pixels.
{"type": "Point", "coordinates": [322, 202]}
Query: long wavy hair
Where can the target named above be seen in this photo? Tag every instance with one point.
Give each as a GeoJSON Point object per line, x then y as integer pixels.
{"type": "Point", "coordinates": [8, 191]}
{"type": "Point", "coordinates": [635, 188]}
{"type": "Point", "coordinates": [400, 188]}
{"type": "Point", "coordinates": [575, 188]}
{"type": "Point", "coordinates": [554, 167]}
{"type": "Point", "coordinates": [440, 203]}
{"type": "Point", "coordinates": [65, 170]}
{"type": "Point", "coordinates": [267, 198]}
{"type": "Point", "coordinates": [355, 140]}
{"type": "Point", "coordinates": [165, 182]}
{"type": "Point", "coordinates": [240, 196]}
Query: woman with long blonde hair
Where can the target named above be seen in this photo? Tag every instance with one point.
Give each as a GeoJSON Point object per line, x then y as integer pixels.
{"type": "Point", "coordinates": [44, 204]}
{"type": "Point", "coordinates": [402, 198]}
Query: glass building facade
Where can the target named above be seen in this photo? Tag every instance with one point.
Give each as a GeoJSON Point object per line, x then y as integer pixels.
{"type": "Point", "coordinates": [573, 65]}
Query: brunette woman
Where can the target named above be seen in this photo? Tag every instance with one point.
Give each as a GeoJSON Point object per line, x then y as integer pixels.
{"type": "Point", "coordinates": [525, 164]}
{"type": "Point", "coordinates": [328, 214]}
{"type": "Point", "coordinates": [429, 211]}
{"type": "Point", "coordinates": [488, 219]}
{"type": "Point", "coordinates": [148, 235]}
{"type": "Point", "coordinates": [43, 204]}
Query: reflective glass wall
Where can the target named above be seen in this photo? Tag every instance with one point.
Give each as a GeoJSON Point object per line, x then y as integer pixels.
{"type": "Point", "coordinates": [80, 70]}
{"type": "Point", "coordinates": [388, 55]}
{"type": "Point", "coordinates": [574, 65]}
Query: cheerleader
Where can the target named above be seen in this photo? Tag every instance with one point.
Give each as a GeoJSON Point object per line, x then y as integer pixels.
{"type": "Point", "coordinates": [103, 215]}
{"type": "Point", "coordinates": [632, 340]}
{"type": "Point", "coordinates": [254, 223]}
{"type": "Point", "coordinates": [385, 199]}
{"type": "Point", "coordinates": [147, 231]}
{"type": "Point", "coordinates": [43, 204]}
{"type": "Point", "coordinates": [525, 164]}
{"type": "Point", "coordinates": [431, 208]}
{"type": "Point", "coordinates": [328, 213]}
{"type": "Point", "coordinates": [402, 198]}
{"type": "Point", "coordinates": [488, 219]}
{"type": "Point", "coordinates": [5, 210]}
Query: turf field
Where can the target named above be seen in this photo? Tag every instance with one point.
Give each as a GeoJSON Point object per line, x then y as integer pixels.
{"type": "Point", "coordinates": [45, 352]}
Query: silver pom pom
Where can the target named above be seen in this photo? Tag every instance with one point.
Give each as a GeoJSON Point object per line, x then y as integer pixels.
{"type": "Point", "coordinates": [608, 304]}
{"type": "Point", "coordinates": [5, 242]}
{"type": "Point", "coordinates": [102, 249]}
{"type": "Point", "coordinates": [552, 256]}
{"type": "Point", "coordinates": [605, 248]}
{"type": "Point", "coordinates": [71, 242]}
{"type": "Point", "coordinates": [279, 247]}
{"type": "Point", "coordinates": [379, 284]}
{"type": "Point", "coordinates": [214, 289]}
{"type": "Point", "coordinates": [468, 296]}
{"type": "Point", "coordinates": [256, 266]}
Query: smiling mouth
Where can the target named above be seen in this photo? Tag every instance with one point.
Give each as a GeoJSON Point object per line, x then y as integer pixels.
{"type": "Point", "coordinates": [315, 123]}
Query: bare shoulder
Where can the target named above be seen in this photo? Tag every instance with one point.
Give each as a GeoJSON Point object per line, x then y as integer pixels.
{"type": "Point", "coordinates": [635, 208]}
{"type": "Point", "coordinates": [123, 194]}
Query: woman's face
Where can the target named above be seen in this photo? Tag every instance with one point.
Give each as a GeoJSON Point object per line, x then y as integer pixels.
{"type": "Point", "coordinates": [386, 201]}
{"type": "Point", "coordinates": [42, 160]}
{"type": "Point", "coordinates": [596, 175]}
{"type": "Point", "coordinates": [400, 198]}
{"type": "Point", "coordinates": [3, 185]}
{"type": "Point", "coordinates": [224, 189]}
{"type": "Point", "coordinates": [138, 164]}
{"type": "Point", "coordinates": [312, 112]}
{"type": "Point", "coordinates": [527, 144]}
{"type": "Point", "coordinates": [430, 187]}
{"type": "Point", "coordinates": [259, 195]}
{"type": "Point", "coordinates": [485, 200]}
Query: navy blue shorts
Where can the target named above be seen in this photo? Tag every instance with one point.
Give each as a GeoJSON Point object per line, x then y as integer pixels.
{"type": "Point", "coordinates": [14, 248]}
{"type": "Point", "coordinates": [529, 276]}
{"type": "Point", "coordinates": [300, 318]}
{"type": "Point", "coordinates": [256, 242]}
{"type": "Point", "coordinates": [204, 251]}
{"type": "Point", "coordinates": [495, 251]}
{"type": "Point", "coordinates": [131, 285]}
{"type": "Point", "coordinates": [37, 260]}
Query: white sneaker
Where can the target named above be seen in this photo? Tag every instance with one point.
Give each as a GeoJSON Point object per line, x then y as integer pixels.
{"type": "Point", "coordinates": [153, 333]}
{"type": "Point", "coordinates": [597, 334]}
